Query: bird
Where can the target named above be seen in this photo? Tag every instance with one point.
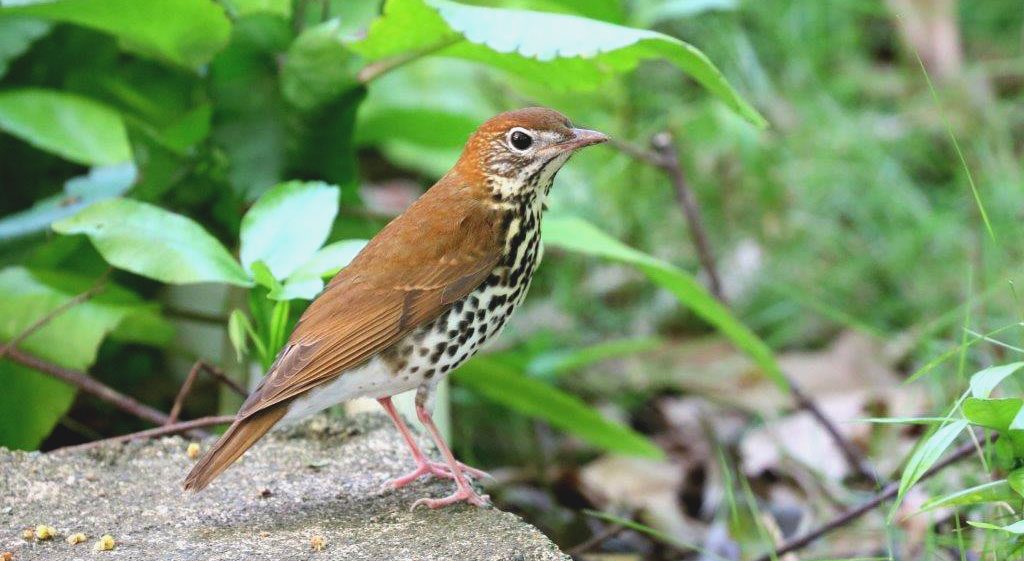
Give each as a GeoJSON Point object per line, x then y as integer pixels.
{"type": "Point", "coordinates": [422, 297]}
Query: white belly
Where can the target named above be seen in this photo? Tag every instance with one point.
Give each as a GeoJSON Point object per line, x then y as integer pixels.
{"type": "Point", "coordinates": [373, 379]}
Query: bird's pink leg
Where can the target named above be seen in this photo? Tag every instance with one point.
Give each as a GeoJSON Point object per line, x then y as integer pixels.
{"type": "Point", "coordinates": [463, 492]}
{"type": "Point", "coordinates": [424, 466]}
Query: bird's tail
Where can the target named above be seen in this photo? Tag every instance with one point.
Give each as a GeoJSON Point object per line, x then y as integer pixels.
{"type": "Point", "coordinates": [242, 434]}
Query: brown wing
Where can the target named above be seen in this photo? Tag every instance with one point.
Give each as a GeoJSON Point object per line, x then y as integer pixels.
{"type": "Point", "coordinates": [436, 253]}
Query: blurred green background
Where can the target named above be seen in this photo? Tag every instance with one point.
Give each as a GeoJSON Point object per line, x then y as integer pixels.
{"type": "Point", "coordinates": [869, 233]}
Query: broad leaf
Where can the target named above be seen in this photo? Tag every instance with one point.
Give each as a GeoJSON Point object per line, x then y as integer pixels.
{"type": "Point", "coordinates": [505, 385]}
{"type": "Point", "coordinates": [318, 67]}
{"type": "Point", "coordinates": [16, 35]}
{"type": "Point", "coordinates": [307, 281]}
{"type": "Point", "coordinates": [287, 225]}
{"type": "Point", "coordinates": [984, 381]}
{"type": "Point", "coordinates": [155, 243]}
{"type": "Point", "coordinates": [575, 234]}
{"type": "Point", "coordinates": [99, 184]}
{"type": "Point", "coordinates": [186, 32]}
{"type": "Point", "coordinates": [927, 453]}
{"type": "Point", "coordinates": [557, 50]}
{"type": "Point", "coordinates": [68, 125]}
{"type": "Point", "coordinates": [994, 491]}
{"type": "Point", "coordinates": [1016, 481]}
{"type": "Point", "coordinates": [31, 403]}
{"type": "Point", "coordinates": [1003, 415]}
{"type": "Point", "coordinates": [240, 8]}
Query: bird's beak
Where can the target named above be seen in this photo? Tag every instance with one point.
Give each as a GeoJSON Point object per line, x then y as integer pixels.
{"type": "Point", "coordinates": [583, 138]}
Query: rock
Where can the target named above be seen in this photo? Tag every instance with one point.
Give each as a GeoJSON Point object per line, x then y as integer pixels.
{"type": "Point", "coordinates": [314, 486]}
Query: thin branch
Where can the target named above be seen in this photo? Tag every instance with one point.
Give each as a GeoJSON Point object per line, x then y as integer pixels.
{"type": "Point", "coordinates": [80, 298]}
{"type": "Point", "coordinates": [664, 145]}
{"type": "Point", "coordinates": [890, 491]}
{"type": "Point", "coordinates": [664, 156]}
{"type": "Point", "coordinates": [90, 385]}
{"type": "Point", "coordinates": [596, 540]}
{"type": "Point", "coordinates": [186, 387]}
{"type": "Point", "coordinates": [183, 426]}
{"type": "Point", "coordinates": [853, 457]}
{"type": "Point", "coordinates": [375, 70]}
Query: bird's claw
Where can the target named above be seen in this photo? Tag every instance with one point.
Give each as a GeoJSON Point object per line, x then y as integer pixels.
{"type": "Point", "coordinates": [461, 495]}
{"type": "Point", "coordinates": [436, 469]}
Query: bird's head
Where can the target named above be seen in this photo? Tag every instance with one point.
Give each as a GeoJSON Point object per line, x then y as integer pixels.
{"type": "Point", "coordinates": [518, 153]}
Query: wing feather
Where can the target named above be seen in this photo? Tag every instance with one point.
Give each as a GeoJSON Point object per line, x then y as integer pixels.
{"type": "Point", "coordinates": [436, 253]}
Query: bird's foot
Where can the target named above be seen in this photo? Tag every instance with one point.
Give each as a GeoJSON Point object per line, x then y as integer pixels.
{"type": "Point", "coordinates": [463, 494]}
{"type": "Point", "coordinates": [435, 469]}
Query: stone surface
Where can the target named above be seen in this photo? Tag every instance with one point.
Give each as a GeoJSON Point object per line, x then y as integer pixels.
{"type": "Point", "coordinates": [320, 479]}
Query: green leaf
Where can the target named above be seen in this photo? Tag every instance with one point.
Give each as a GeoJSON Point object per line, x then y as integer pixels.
{"type": "Point", "coordinates": [185, 32]}
{"type": "Point", "coordinates": [287, 225]}
{"type": "Point", "coordinates": [994, 491]}
{"type": "Point", "coordinates": [927, 453]}
{"type": "Point", "coordinates": [238, 328]}
{"type": "Point", "coordinates": [241, 8]}
{"type": "Point", "coordinates": [984, 381]}
{"type": "Point", "coordinates": [99, 184]}
{"type": "Point", "coordinates": [263, 277]}
{"type": "Point", "coordinates": [16, 35]}
{"type": "Point", "coordinates": [68, 125]}
{"type": "Point", "coordinates": [575, 234]}
{"type": "Point", "coordinates": [505, 385]}
{"type": "Point", "coordinates": [1016, 481]}
{"type": "Point", "coordinates": [558, 362]}
{"type": "Point", "coordinates": [307, 281]}
{"type": "Point", "coordinates": [155, 243]}
{"type": "Point", "coordinates": [318, 67]}
{"type": "Point", "coordinates": [1015, 528]}
{"type": "Point", "coordinates": [557, 50]}
{"type": "Point", "coordinates": [31, 403]}
{"type": "Point", "coordinates": [996, 414]}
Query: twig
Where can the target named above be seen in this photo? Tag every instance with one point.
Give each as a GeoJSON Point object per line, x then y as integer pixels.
{"type": "Point", "coordinates": [890, 491]}
{"type": "Point", "coordinates": [89, 385]}
{"type": "Point", "coordinates": [54, 313]}
{"type": "Point", "coordinates": [853, 457]}
{"type": "Point", "coordinates": [183, 426]}
{"type": "Point", "coordinates": [664, 156]}
{"type": "Point", "coordinates": [596, 540]}
{"type": "Point", "coordinates": [373, 71]}
{"type": "Point", "coordinates": [664, 145]}
{"type": "Point", "coordinates": [186, 387]}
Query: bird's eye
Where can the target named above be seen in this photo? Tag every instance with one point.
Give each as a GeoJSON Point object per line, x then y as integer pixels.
{"type": "Point", "coordinates": [520, 140]}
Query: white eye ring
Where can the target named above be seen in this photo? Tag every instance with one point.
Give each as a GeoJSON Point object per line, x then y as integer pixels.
{"type": "Point", "coordinates": [513, 138]}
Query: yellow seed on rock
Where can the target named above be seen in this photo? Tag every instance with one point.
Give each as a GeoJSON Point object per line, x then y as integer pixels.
{"type": "Point", "coordinates": [193, 451]}
{"type": "Point", "coordinates": [106, 543]}
{"type": "Point", "coordinates": [44, 532]}
{"type": "Point", "coordinates": [317, 543]}
{"type": "Point", "coordinates": [28, 535]}
{"type": "Point", "coordinates": [75, 539]}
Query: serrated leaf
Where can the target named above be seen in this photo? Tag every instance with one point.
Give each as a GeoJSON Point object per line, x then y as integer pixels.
{"type": "Point", "coordinates": [155, 243]}
{"type": "Point", "coordinates": [991, 492]}
{"type": "Point", "coordinates": [287, 225]}
{"type": "Point", "coordinates": [185, 32]}
{"type": "Point", "coordinates": [16, 35]}
{"type": "Point", "coordinates": [507, 386]}
{"type": "Point", "coordinates": [927, 453]}
{"type": "Point", "coordinates": [99, 184]}
{"type": "Point", "coordinates": [575, 234]}
{"type": "Point", "coordinates": [318, 67]}
{"type": "Point", "coordinates": [984, 381]}
{"type": "Point", "coordinates": [556, 50]}
{"type": "Point", "coordinates": [73, 127]}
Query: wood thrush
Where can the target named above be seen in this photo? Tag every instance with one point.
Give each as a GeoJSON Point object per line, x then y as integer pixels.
{"type": "Point", "coordinates": [424, 295]}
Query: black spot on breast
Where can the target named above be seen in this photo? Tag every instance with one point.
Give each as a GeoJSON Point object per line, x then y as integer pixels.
{"type": "Point", "coordinates": [496, 302]}
{"type": "Point", "coordinates": [429, 373]}
{"type": "Point", "coordinates": [452, 349]}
